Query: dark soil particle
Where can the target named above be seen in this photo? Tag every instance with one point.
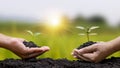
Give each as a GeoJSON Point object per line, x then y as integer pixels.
{"type": "Point", "coordinates": [59, 63]}
{"type": "Point", "coordinates": [86, 44]}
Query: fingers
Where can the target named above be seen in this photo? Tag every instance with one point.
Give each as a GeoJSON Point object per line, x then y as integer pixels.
{"type": "Point", "coordinates": [90, 56]}
{"type": "Point", "coordinates": [79, 56]}
{"type": "Point", "coordinates": [87, 53]}
{"type": "Point", "coordinates": [88, 49]}
{"type": "Point", "coordinates": [33, 52]}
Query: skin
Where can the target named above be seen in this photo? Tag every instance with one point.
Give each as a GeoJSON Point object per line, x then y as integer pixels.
{"type": "Point", "coordinates": [16, 46]}
{"type": "Point", "coordinates": [97, 52]}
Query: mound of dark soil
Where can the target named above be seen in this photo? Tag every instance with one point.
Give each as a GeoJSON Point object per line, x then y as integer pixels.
{"type": "Point", "coordinates": [59, 63]}
{"type": "Point", "coordinates": [29, 44]}
{"type": "Point", "coordinates": [86, 44]}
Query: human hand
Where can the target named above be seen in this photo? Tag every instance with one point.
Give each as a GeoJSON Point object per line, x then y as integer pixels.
{"type": "Point", "coordinates": [95, 52]}
{"type": "Point", "coordinates": [16, 46]}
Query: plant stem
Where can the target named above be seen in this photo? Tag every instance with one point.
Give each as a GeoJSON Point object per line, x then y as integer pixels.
{"type": "Point", "coordinates": [87, 34]}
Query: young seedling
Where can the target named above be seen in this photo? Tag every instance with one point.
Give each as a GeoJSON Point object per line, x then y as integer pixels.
{"type": "Point", "coordinates": [34, 35]}
{"type": "Point", "coordinates": [31, 44]}
{"type": "Point", "coordinates": [87, 31]}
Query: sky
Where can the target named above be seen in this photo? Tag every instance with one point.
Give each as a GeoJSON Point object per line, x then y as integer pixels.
{"type": "Point", "coordinates": [38, 9]}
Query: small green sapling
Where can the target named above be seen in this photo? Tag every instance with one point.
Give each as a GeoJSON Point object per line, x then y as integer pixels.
{"type": "Point", "coordinates": [34, 35]}
{"type": "Point", "coordinates": [87, 31]}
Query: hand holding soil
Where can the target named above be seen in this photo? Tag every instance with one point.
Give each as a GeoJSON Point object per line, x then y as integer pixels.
{"type": "Point", "coordinates": [97, 52]}
{"type": "Point", "coordinates": [16, 46]}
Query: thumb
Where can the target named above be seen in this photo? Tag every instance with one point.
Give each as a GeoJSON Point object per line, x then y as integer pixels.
{"type": "Point", "coordinates": [37, 50]}
{"type": "Point", "coordinates": [89, 49]}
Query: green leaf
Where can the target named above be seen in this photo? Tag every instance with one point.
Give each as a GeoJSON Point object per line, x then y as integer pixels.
{"type": "Point", "coordinates": [93, 34]}
{"type": "Point", "coordinates": [30, 32]}
{"type": "Point", "coordinates": [81, 34]}
{"type": "Point", "coordinates": [36, 34]}
{"type": "Point", "coordinates": [92, 28]}
{"type": "Point", "coordinates": [80, 27]}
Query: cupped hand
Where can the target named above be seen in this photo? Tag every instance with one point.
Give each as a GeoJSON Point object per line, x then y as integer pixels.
{"type": "Point", "coordinates": [94, 53]}
{"type": "Point", "coordinates": [16, 46]}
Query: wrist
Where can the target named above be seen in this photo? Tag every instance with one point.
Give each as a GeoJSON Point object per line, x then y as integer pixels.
{"type": "Point", "coordinates": [5, 40]}
{"type": "Point", "coordinates": [115, 44]}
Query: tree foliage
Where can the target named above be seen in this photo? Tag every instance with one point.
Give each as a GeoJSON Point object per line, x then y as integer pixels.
{"type": "Point", "coordinates": [97, 19]}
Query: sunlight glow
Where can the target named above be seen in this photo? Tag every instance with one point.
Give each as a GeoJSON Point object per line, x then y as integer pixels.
{"type": "Point", "coordinates": [54, 21]}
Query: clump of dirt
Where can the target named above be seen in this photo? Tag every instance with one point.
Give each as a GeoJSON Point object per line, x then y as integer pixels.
{"type": "Point", "coordinates": [30, 44]}
{"type": "Point", "coordinates": [86, 44]}
{"type": "Point", "coordinates": [59, 63]}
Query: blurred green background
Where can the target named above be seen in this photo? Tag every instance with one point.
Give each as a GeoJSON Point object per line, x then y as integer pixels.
{"type": "Point", "coordinates": [61, 41]}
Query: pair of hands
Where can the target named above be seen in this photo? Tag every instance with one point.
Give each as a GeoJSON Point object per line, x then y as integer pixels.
{"type": "Point", "coordinates": [93, 53]}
